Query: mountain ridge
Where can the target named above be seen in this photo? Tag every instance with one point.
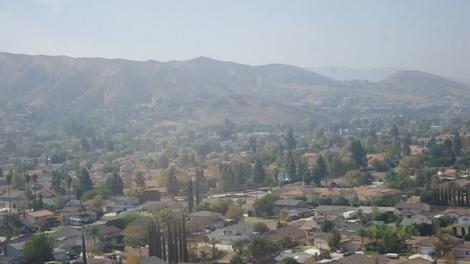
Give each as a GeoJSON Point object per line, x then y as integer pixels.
{"type": "Point", "coordinates": [66, 84]}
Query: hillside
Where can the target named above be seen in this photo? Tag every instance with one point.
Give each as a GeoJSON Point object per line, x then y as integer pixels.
{"type": "Point", "coordinates": [269, 94]}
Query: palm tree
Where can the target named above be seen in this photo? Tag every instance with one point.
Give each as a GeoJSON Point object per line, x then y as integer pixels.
{"type": "Point", "coordinates": [363, 232]}
{"type": "Point", "coordinates": [68, 181]}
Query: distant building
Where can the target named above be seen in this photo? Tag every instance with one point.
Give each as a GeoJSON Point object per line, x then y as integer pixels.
{"type": "Point", "coordinates": [40, 219]}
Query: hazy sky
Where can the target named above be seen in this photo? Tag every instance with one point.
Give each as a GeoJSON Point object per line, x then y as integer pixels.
{"type": "Point", "coordinates": [428, 35]}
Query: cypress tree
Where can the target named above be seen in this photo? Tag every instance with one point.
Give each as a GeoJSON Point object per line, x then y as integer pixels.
{"type": "Point", "coordinates": [84, 257]}
{"type": "Point", "coordinates": [180, 242]}
{"type": "Point", "coordinates": [190, 195]}
{"type": "Point", "coordinates": [175, 245]}
{"type": "Point", "coordinates": [151, 239]}
{"type": "Point", "coordinates": [164, 255]}
{"type": "Point", "coordinates": [169, 238]}
{"type": "Point", "coordinates": [185, 245]}
{"type": "Point", "coordinates": [466, 196]}
{"type": "Point", "coordinates": [158, 240]}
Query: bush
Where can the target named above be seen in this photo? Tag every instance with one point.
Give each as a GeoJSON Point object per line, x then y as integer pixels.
{"type": "Point", "coordinates": [260, 227]}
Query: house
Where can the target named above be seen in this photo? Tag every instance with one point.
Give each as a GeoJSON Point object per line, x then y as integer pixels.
{"type": "Point", "coordinates": [361, 259]}
{"type": "Point", "coordinates": [333, 209]}
{"type": "Point", "coordinates": [412, 208]}
{"type": "Point", "coordinates": [205, 220]}
{"type": "Point", "coordinates": [297, 213]}
{"type": "Point", "coordinates": [462, 250]}
{"type": "Point", "coordinates": [296, 234]}
{"type": "Point", "coordinates": [415, 219]}
{"type": "Point", "coordinates": [40, 219]}
{"type": "Point", "coordinates": [425, 245]}
{"type": "Point", "coordinates": [13, 249]}
{"type": "Point", "coordinates": [11, 260]}
{"type": "Point", "coordinates": [231, 234]}
{"type": "Point", "coordinates": [289, 204]}
{"type": "Point", "coordinates": [366, 210]}
{"type": "Point", "coordinates": [320, 240]}
{"type": "Point", "coordinates": [462, 218]}
{"type": "Point", "coordinates": [15, 197]}
{"type": "Point", "coordinates": [68, 239]}
{"type": "Point", "coordinates": [300, 257]}
{"type": "Point", "coordinates": [152, 192]}
{"type": "Point", "coordinates": [307, 225]}
{"type": "Point", "coordinates": [110, 232]}
{"type": "Point", "coordinates": [350, 245]}
{"type": "Point", "coordinates": [151, 206]}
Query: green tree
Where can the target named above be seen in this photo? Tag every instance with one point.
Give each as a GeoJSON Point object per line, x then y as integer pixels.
{"type": "Point", "coordinates": [355, 178]}
{"type": "Point", "coordinates": [139, 179]}
{"type": "Point", "coordinates": [260, 250]}
{"type": "Point", "coordinates": [320, 171]}
{"type": "Point", "coordinates": [291, 168]}
{"type": "Point", "coordinates": [290, 140]}
{"type": "Point", "coordinates": [334, 240]}
{"type": "Point", "coordinates": [219, 205]}
{"type": "Point", "coordinates": [457, 144]}
{"type": "Point", "coordinates": [260, 227]}
{"type": "Point", "coordinates": [9, 178]}
{"type": "Point", "coordinates": [258, 173]}
{"type": "Point", "coordinates": [115, 184]}
{"type": "Point", "coordinates": [327, 226]}
{"type": "Point", "coordinates": [172, 183]}
{"type": "Point", "coordinates": [84, 183]}
{"type": "Point", "coordinates": [39, 249]}
{"type": "Point", "coordinates": [189, 195]}
{"type": "Point", "coordinates": [234, 212]}
{"type": "Point", "coordinates": [265, 206]}
{"type": "Point", "coordinates": [358, 153]}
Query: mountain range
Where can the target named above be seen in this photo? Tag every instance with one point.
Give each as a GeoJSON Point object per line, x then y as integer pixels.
{"type": "Point", "coordinates": [211, 89]}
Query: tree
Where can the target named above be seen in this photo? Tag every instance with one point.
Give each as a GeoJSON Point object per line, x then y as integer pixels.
{"type": "Point", "coordinates": [265, 206]}
{"type": "Point", "coordinates": [39, 249]}
{"type": "Point", "coordinates": [56, 182]}
{"type": "Point", "coordinates": [237, 259]}
{"type": "Point", "coordinates": [260, 227]}
{"type": "Point", "coordinates": [457, 144]}
{"type": "Point", "coordinates": [97, 204]}
{"type": "Point", "coordinates": [327, 226]}
{"type": "Point", "coordinates": [9, 178]}
{"type": "Point", "coordinates": [260, 250]}
{"type": "Point", "coordinates": [172, 183]}
{"type": "Point", "coordinates": [290, 140]}
{"type": "Point", "coordinates": [303, 171]}
{"type": "Point", "coordinates": [219, 205]}
{"type": "Point", "coordinates": [355, 178]}
{"type": "Point", "coordinates": [190, 196]}
{"type": "Point", "coordinates": [84, 183]}
{"type": "Point", "coordinates": [258, 173]}
{"type": "Point", "coordinates": [362, 233]}
{"type": "Point", "coordinates": [319, 171]}
{"type": "Point", "coordinates": [291, 168]}
{"type": "Point", "coordinates": [358, 153]}
{"type": "Point", "coordinates": [68, 182]}
{"type": "Point", "coordinates": [334, 240]}
{"type": "Point", "coordinates": [115, 184]}
{"type": "Point", "coordinates": [139, 179]}
{"type": "Point", "coordinates": [234, 212]}
{"type": "Point", "coordinates": [135, 234]}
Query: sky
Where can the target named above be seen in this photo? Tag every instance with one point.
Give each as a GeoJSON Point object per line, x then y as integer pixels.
{"type": "Point", "coordinates": [427, 35]}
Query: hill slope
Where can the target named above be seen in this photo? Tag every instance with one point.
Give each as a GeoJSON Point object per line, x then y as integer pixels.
{"type": "Point", "coordinates": [211, 89]}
